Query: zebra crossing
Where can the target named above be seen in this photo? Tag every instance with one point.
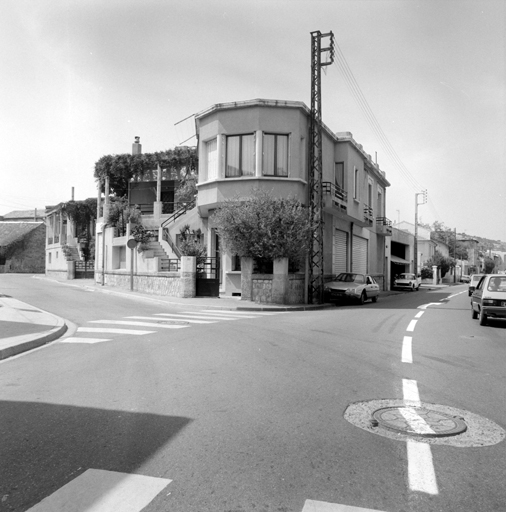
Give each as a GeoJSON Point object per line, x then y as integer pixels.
{"type": "Point", "coordinates": [137, 325]}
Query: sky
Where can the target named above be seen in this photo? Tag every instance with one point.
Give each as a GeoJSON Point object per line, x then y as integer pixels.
{"type": "Point", "coordinates": [420, 84]}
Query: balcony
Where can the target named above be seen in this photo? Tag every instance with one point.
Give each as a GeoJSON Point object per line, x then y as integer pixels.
{"type": "Point", "coordinates": [368, 214]}
{"type": "Point", "coordinates": [383, 226]}
{"type": "Point", "coordinates": [337, 197]}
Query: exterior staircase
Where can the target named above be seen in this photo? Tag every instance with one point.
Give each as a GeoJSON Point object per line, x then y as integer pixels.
{"type": "Point", "coordinates": [166, 265]}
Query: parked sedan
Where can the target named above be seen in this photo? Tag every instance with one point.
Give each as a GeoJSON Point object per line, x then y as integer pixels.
{"type": "Point", "coordinates": [475, 279]}
{"type": "Point", "coordinates": [465, 279]}
{"type": "Point", "coordinates": [352, 286]}
{"type": "Point", "coordinates": [489, 298]}
{"type": "Point", "coordinates": [407, 282]}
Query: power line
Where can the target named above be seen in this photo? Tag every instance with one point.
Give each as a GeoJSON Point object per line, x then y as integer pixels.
{"type": "Point", "coordinates": [370, 118]}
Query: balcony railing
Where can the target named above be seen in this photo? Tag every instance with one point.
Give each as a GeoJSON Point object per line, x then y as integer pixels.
{"type": "Point", "coordinates": [368, 213]}
{"type": "Point", "coordinates": [339, 195]}
{"type": "Point", "coordinates": [384, 226]}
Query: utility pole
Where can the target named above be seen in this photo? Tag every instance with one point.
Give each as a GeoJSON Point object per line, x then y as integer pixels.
{"type": "Point", "coordinates": [424, 200]}
{"type": "Point", "coordinates": [315, 192]}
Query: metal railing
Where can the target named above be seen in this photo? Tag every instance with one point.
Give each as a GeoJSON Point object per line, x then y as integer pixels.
{"type": "Point", "coordinates": [176, 210]}
{"type": "Point", "coordinates": [335, 191]}
{"type": "Point", "coordinates": [368, 213]}
{"type": "Point", "coordinates": [383, 221]}
{"type": "Point", "coordinates": [175, 249]}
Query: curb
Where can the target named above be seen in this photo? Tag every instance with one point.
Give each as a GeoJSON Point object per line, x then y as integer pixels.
{"type": "Point", "coordinates": [25, 342]}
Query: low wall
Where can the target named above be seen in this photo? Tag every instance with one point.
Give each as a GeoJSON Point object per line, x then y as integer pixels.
{"type": "Point", "coordinates": [262, 288]}
{"type": "Point", "coordinates": [58, 274]}
{"type": "Point", "coordinates": [169, 284]}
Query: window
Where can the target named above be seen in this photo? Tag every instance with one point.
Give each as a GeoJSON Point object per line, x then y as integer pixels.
{"type": "Point", "coordinates": [369, 193]}
{"type": "Point", "coordinates": [240, 156]}
{"type": "Point", "coordinates": [212, 159]}
{"type": "Point", "coordinates": [379, 206]}
{"type": "Point", "coordinates": [339, 174]}
{"type": "Point", "coordinates": [275, 155]}
{"type": "Point", "coordinates": [355, 184]}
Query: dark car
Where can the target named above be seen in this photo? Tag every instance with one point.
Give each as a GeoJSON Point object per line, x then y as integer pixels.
{"type": "Point", "coordinates": [489, 298]}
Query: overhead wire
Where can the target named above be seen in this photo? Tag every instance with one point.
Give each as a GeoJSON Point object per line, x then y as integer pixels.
{"type": "Point", "coordinates": [370, 118]}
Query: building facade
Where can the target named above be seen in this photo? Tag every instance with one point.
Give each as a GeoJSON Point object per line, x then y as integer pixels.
{"type": "Point", "coordinates": [264, 144]}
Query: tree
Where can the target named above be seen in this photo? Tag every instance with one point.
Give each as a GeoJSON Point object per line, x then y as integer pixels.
{"type": "Point", "coordinates": [120, 214]}
{"type": "Point", "coordinates": [488, 265]}
{"type": "Point", "coordinates": [264, 227]}
{"type": "Point", "coordinates": [444, 263]}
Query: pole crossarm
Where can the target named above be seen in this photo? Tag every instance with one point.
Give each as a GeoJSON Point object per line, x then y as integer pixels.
{"type": "Point", "coordinates": [315, 189]}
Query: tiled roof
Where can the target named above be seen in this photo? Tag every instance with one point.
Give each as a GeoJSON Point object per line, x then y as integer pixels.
{"type": "Point", "coordinates": [23, 214]}
{"type": "Point", "coordinates": [12, 231]}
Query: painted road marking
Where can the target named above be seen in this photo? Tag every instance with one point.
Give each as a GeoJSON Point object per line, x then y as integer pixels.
{"type": "Point", "coordinates": [138, 324]}
{"type": "Point", "coordinates": [410, 391]}
{"type": "Point", "coordinates": [323, 506]}
{"type": "Point", "coordinates": [415, 421]}
{"type": "Point", "coordinates": [114, 331]}
{"type": "Point", "coordinates": [186, 320]}
{"type": "Point", "coordinates": [425, 306]}
{"type": "Point", "coordinates": [83, 340]}
{"type": "Point", "coordinates": [419, 314]}
{"type": "Point", "coordinates": [407, 356]}
{"type": "Point", "coordinates": [412, 325]}
{"type": "Point", "coordinates": [97, 490]}
{"type": "Point", "coordinates": [242, 313]}
{"type": "Point", "coordinates": [198, 317]}
{"type": "Point", "coordinates": [421, 474]}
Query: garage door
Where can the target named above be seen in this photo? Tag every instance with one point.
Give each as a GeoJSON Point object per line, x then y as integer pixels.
{"type": "Point", "coordinates": [359, 252]}
{"type": "Point", "coordinates": [339, 251]}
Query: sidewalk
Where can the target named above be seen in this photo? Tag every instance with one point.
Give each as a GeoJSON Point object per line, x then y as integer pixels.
{"type": "Point", "coordinates": [24, 327]}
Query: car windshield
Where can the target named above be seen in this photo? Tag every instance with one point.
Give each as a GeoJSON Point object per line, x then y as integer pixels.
{"type": "Point", "coordinates": [497, 284]}
{"type": "Point", "coordinates": [351, 278]}
{"type": "Point", "coordinates": [407, 276]}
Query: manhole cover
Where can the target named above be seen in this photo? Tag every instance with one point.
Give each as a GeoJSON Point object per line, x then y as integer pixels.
{"type": "Point", "coordinates": [427, 423]}
{"type": "Point", "coordinates": [419, 421]}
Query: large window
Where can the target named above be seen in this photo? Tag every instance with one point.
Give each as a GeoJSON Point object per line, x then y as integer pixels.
{"type": "Point", "coordinates": [212, 159]}
{"type": "Point", "coordinates": [275, 157]}
{"type": "Point", "coordinates": [240, 156]}
{"type": "Point", "coordinates": [356, 185]}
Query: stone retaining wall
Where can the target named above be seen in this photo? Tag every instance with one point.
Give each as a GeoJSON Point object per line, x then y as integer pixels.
{"type": "Point", "coordinates": [262, 289]}
{"type": "Point", "coordinates": [155, 284]}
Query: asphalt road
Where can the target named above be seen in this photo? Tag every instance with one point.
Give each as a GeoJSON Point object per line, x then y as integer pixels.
{"type": "Point", "coordinates": [247, 413]}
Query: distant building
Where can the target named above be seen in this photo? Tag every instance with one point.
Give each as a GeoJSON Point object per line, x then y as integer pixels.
{"type": "Point", "coordinates": [22, 247]}
{"type": "Point", "coordinates": [36, 215]}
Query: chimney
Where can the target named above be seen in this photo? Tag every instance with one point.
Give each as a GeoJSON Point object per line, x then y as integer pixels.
{"type": "Point", "coordinates": [137, 147]}
{"type": "Point", "coordinates": [72, 193]}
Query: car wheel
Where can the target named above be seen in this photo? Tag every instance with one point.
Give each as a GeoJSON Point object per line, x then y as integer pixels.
{"type": "Point", "coordinates": [363, 298]}
{"type": "Point", "coordinates": [375, 299]}
{"type": "Point", "coordinates": [474, 314]}
{"type": "Point", "coordinates": [483, 318]}
{"type": "Point", "coordinates": [418, 288]}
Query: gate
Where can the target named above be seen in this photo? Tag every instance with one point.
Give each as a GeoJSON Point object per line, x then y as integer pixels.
{"type": "Point", "coordinates": [85, 270]}
{"type": "Point", "coordinates": [208, 277]}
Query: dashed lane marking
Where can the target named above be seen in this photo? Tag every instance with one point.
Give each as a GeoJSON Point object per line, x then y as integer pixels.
{"type": "Point", "coordinates": [421, 473]}
{"type": "Point", "coordinates": [323, 506]}
{"type": "Point", "coordinates": [419, 314]}
{"type": "Point", "coordinates": [138, 324]}
{"type": "Point", "coordinates": [407, 355]}
{"type": "Point", "coordinates": [97, 490]}
{"type": "Point", "coordinates": [425, 306]}
{"type": "Point", "coordinates": [412, 325]}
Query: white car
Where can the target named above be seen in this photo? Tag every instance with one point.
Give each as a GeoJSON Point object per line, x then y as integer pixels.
{"type": "Point", "coordinates": [407, 282]}
{"type": "Point", "coordinates": [352, 286]}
